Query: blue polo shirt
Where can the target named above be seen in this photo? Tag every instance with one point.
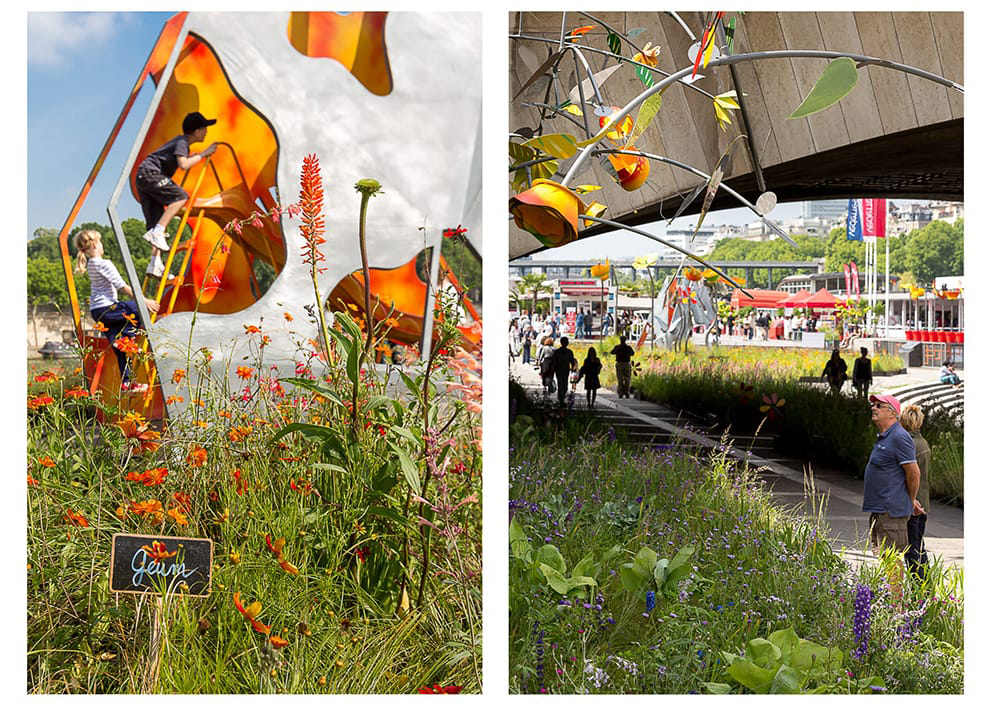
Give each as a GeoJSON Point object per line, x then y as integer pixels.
{"type": "Point", "coordinates": [885, 479]}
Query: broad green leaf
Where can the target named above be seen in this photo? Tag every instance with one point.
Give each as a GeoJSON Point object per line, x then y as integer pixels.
{"type": "Point", "coordinates": [580, 581]}
{"type": "Point", "coordinates": [763, 652]}
{"type": "Point", "coordinates": [549, 554]}
{"type": "Point", "coordinates": [411, 384]}
{"type": "Point", "coordinates": [683, 556]}
{"type": "Point", "coordinates": [785, 640]}
{"type": "Point", "coordinates": [558, 145]}
{"type": "Point", "coordinates": [645, 561]}
{"type": "Point", "coordinates": [584, 567]}
{"type": "Point", "coordinates": [404, 433]}
{"type": "Point", "coordinates": [378, 401]}
{"type": "Point", "coordinates": [310, 431]}
{"type": "Point", "coordinates": [557, 582]}
{"type": "Point", "coordinates": [716, 688]}
{"type": "Point", "coordinates": [647, 112]}
{"type": "Point", "coordinates": [520, 547]}
{"type": "Point", "coordinates": [786, 681]}
{"type": "Point", "coordinates": [837, 81]}
{"type": "Point", "coordinates": [631, 580]}
{"type": "Point", "coordinates": [756, 679]}
{"type": "Point", "coordinates": [610, 554]}
{"type": "Point", "coordinates": [808, 655]}
{"type": "Point", "coordinates": [409, 468]}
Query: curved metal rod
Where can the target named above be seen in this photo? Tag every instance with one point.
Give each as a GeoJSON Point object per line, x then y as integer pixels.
{"type": "Point", "coordinates": [739, 58]}
{"type": "Point", "coordinates": [704, 175]}
{"type": "Point", "coordinates": [612, 55]}
{"type": "Point", "coordinates": [679, 249]}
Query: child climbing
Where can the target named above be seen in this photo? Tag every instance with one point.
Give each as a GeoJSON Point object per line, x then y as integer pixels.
{"type": "Point", "coordinates": [117, 319]}
{"type": "Point", "coordinates": [161, 198]}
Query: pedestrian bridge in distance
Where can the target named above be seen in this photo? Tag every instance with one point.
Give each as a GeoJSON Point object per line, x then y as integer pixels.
{"type": "Point", "coordinates": [897, 135]}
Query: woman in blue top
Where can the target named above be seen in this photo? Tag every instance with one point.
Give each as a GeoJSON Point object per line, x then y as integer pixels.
{"type": "Point", "coordinates": [117, 319]}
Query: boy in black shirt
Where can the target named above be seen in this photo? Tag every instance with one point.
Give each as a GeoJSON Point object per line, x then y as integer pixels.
{"type": "Point", "coordinates": [161, 198]}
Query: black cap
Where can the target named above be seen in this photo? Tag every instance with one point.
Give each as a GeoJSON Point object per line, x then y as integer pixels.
{"type": "Point", "coordinates": [193, 121]}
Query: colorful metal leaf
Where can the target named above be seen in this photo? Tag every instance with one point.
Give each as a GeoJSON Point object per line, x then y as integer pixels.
{"type": "Point", "coordinates": [647, 112]}
{"type": "Point", "coordinates": [559, 145]}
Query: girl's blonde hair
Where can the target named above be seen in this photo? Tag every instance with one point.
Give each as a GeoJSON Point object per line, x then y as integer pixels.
{"type": "Point", "coordinates": [84, 240]}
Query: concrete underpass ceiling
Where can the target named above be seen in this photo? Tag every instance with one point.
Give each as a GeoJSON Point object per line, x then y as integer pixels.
{"type": "Point", "coordinates": [894, 136]}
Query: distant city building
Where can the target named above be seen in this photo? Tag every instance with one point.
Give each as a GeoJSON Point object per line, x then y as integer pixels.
{"type": "Point", "coordinates": [831, 211]}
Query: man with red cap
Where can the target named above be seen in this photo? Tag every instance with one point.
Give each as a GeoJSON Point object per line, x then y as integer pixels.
{"type": "Point", "coordinates": [892, 478]}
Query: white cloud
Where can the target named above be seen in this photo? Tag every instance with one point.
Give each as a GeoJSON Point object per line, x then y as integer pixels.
{"type": "Point", "coordinates": [54, 37]}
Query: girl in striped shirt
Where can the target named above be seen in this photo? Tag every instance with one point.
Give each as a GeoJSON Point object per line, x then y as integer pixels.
{"type": "Point", "coordinates": [118, 319]}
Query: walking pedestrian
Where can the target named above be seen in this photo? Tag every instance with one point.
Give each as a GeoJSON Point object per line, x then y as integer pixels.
{"type": "Point", "coordinates": [591, 371]}
{"type": "Point", "coordinates": [563, 362]}
{"type": "Point", "coordinates": [545, 369]}
{"type": "Point", "coordinates": [835, 371]}
{"type": "Point", "coordinates": [623, 366]}
{"type": "Point", "coordinates": [861, 375]}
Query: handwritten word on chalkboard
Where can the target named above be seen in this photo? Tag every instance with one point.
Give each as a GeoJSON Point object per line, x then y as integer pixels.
{"type": "Point", "coordinates": [141, 563]}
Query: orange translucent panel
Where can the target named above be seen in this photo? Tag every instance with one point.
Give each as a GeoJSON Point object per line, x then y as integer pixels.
{"type": "Point", "coordinates": [199, 83]}
{"type": "Point", "coordinates": [399, 293]}
{"type": "Point", "coordinates": [356, 40]}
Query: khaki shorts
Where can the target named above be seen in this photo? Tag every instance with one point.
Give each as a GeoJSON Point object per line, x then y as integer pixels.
{"type": "Point", "coordinates": [889, 530]}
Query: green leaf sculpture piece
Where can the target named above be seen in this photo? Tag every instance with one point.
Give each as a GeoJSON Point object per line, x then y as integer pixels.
{"type": "Point", "coordinates": [837, 81]}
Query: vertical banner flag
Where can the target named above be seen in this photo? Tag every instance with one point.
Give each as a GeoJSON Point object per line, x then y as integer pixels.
{"type": "Point", "coordinates": [847, 280]}
{"type": "Point", "coordinates": [873, 217]}
{"type": "Point", "coordinates": [854, 220]}
{"type": "Point", "coordinates": [854, 279]}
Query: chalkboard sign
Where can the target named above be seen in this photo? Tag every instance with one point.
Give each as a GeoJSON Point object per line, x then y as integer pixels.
{"type": "Point", "coordinates": [141, 563]}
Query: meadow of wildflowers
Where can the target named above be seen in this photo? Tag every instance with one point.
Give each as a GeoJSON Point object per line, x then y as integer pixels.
{"type": "Point", "coordinates": [665, 570]}
{"type": "Point", "coordinates": [342, 503]}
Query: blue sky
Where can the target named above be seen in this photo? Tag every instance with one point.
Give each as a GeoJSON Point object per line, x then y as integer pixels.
{"type": "Point", "coordinates": [80, 69]}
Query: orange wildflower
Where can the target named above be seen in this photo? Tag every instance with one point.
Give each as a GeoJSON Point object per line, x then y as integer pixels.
{"type": "Point", "coordinates": [237, 434]}
{"type": "Point", "coordinates": [47, 376]}
{"type": "Point", "coordinates": [305, 487]}
{"type": "Point", "coordinates": [177, 516]}
{"type": "Point", "coordinates": [126, 345]}
{"type": "Point", "coordinates": [32, 481]}
{"type": "Point", "coordinates": [139, 435]}
{"type": "Point", "coordinates": [179, 375]}
{"type": "Point", "coordinates": [197, 456]}
{"type": "Point", "coordinates": [278, 550]}
{"type": "Point", "coordinates": [288, 317]}
{"type": "Point", "coordinates": [40, 401]}
{"type": "Point", "coordinates": [158, 551]}
{"type": "Point", "coordinates": [100, 327]}
{"type": "Point", "coordinates": [76, 393]}
{"type": "Point", "coordinates": [250, 613]}
{"type": "Point", "coordinates": [244, 372]}
{"type": "Point", "coordinates": [251, 329]}
{"type": "Point", "coordinates": [278, 642]}
{"type": "Point", "coordinates": [47, 461]}
{"type": "Point", "coordinates": [153, 476]}
{"type": "Point", "coordinates": [240, 482]}
{"type": "Point", "coordinates": [77, 519]}
{"type": "Point", "coordinates": [183, 501]}
{"type": "Point", "coordinates": [175, 399]}
{"type": "Point", "coordinates": [152, 508]}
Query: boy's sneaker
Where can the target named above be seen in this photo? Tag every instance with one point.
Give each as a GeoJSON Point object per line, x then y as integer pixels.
{"type": "Point", "coordinates": [155, 267]}
{"type": "Point", "coordinates": [156, 239]}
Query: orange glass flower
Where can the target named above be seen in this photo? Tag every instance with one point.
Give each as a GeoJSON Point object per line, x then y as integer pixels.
{"type": "Point", "coordinates": [692, 274]}
{"type": "Point", "coordinates": [650, 55]}
{"type": "Point", "coordinates": [632, 170]}
{"type": "Point", "coordinates": [549, 211]}
{"type": "Point", "coordinates": [621, 129]}
{"type": "Point", "coordinates": [250, 613]}
{"type": "Point", "coordinates": [158, 551]}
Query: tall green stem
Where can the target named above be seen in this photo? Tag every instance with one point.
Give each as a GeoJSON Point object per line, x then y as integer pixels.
{"type": "Point", "coordinates": [367, 188]}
